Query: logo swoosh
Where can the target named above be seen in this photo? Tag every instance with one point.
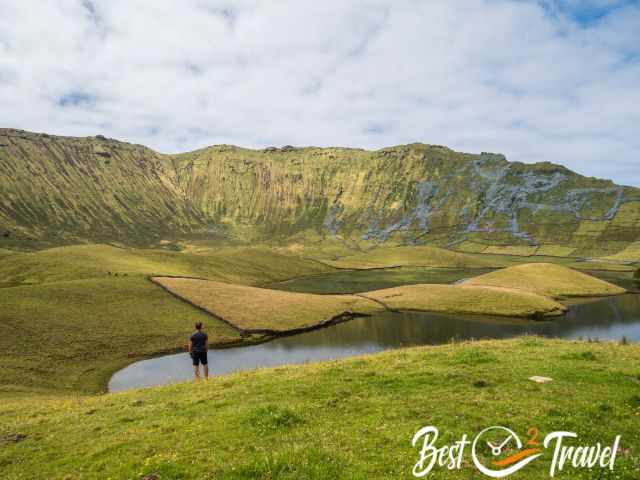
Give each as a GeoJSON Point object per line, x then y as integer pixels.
{"type": "Point", "coordinates": [515, 457]}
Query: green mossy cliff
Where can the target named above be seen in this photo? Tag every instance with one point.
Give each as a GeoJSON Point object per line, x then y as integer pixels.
{"type": "Point", "coordinates": [58, 190]}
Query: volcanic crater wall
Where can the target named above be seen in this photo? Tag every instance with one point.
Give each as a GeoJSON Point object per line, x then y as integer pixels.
{"type": "Point", "coordinates": [64, 189]}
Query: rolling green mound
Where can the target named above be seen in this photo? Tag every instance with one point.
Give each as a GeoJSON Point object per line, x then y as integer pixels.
{"type": "Point", "coordinates": [351, 419]}
{"type": "Point", "coordinates": [555, 281]}
{"type": "Point", "coordinates": [62, 190]}
{"type": "Point", "coordinates": [462, 299]}
{"type": "Point", "coordinates": [263, 310]}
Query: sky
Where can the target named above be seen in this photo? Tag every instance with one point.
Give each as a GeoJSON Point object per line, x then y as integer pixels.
{"type": "Point", "coordinates": [536, 80]}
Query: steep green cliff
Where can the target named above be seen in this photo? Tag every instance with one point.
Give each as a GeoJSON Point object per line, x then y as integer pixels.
{"type": "Point", "coordinates": [60, 190]}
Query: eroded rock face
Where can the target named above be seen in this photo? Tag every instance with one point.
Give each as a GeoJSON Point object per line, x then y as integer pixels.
{"type": "Point", "coordinates": [93, 188]}
{"type": "Point", "coordinates": [413, 193]}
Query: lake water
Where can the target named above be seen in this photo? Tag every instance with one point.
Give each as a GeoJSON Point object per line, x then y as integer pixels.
{"type": "Point", "coordinates": [357, 281]}
{"type": "Point", "coordinates": [606, 319]}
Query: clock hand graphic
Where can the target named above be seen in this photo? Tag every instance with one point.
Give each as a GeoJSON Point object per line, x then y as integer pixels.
{"type": "Point", "coordinates": [498, 450]}
{"type": "Point", "coordinates": [511, 463]}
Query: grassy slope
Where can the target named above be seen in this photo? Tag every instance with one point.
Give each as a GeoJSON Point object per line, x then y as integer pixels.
{"type": "Point", "coordinates": [520, 250]}
{"type": "Point", "coordinates": [250, 308]}
{"type": "Point", "coordinates": [310, 244]}
{"type": "Point", "coordinates": [66, 325]}
{"type": "Point", "coordinates": [467, 300]}
{"type": "Point", "coordinates": [555, 250]}
{"type": "Point", "coordinates": [349, 419]}
{"type": "Point", "coordinates": [59, 189]}
{"type": "Point", "coordinates": [386, 257]}
{"type": "Point", "coordinates": [242, 265]}
{"type": "Point", "coordinates": [631, 253]}
{"type": "Point", "coordinates": [54, 290]}
{"type": "Point", "coordinates": [70, 336]}
{"type": "Point", "coordinates": [547, 279]}
{"type": "Point", "coordinates": [414, 256]}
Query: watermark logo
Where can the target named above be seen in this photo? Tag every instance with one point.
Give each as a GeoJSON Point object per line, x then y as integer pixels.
{"type": "Point", "coordinates": [498, 451]}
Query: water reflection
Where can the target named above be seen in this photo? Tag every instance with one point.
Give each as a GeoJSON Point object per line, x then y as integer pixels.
{"type": "Point", "coordinates": [610, 318]}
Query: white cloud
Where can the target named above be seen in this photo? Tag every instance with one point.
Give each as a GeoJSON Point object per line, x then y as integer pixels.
{"type": "Point", "coordinates": [525, 78]}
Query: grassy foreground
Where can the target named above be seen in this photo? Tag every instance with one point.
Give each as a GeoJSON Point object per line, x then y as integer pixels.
{"type": "Point", "coordinates": [71, 336]}
{"type": "Point", "coordinates": [347, 419]}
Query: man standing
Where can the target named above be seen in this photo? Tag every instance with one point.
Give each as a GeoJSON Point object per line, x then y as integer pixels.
{"type": "Point", "coordinates": [198, 346]}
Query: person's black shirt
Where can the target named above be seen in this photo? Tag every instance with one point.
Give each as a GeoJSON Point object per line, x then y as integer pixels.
{"type": "Point", "coordinates": [198, 341]}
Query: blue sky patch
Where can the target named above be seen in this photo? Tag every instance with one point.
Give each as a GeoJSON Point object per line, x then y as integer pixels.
{"type": "Point", "coordinates": [77, 99]}
{"type": "Point", "coordinates": [585, 12]}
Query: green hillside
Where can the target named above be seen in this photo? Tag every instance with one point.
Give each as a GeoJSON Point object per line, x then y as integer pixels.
{"type": "Point", "coordinates": [232, 264]}
{"type": "Point", "coordinates": [58, 190]}
{"type": "Point", "coordinates": [416, 256]}
{"type": "Point", "coordinates": [55, 298]}
{"type": "Point", "coordinates": [350, 419]}
{"type": "Point", "coordinates": [61, 190]}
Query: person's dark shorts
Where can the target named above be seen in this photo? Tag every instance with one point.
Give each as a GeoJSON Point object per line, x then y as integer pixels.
{"type": "Point", "coordinates": [199, 358]}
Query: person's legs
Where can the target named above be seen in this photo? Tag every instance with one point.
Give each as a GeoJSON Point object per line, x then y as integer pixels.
{"type": "Point", "coordinates": [196, 365]}
{"type": "Point", "coordinates": [205, 365]}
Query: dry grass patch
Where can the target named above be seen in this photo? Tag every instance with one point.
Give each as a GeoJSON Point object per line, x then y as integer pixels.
{"type": "Point", "coordinates": [261, 309]}
{"type": "Point", "coordinates": [547, 279]}
{"type": "Point", "coordinates": [463, 299]}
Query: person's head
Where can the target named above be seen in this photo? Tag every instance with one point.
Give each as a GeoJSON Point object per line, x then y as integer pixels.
{"type": "Point", "coordinates": [198, 325]}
